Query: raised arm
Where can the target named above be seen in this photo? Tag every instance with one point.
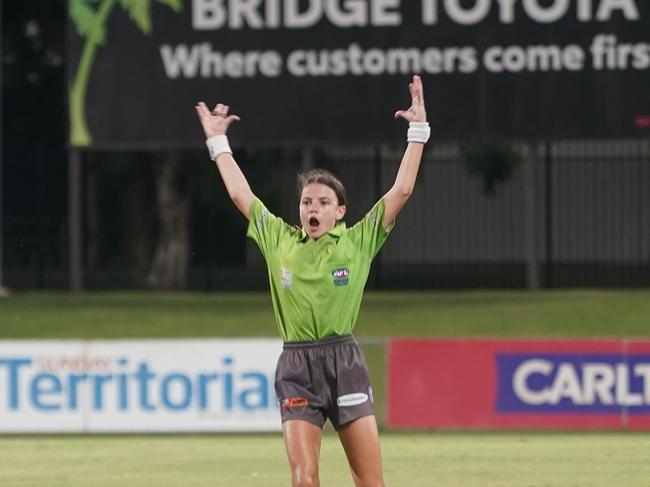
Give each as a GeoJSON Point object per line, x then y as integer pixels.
{"type": "Point", "coordinates": [400, 192]}
{"type": "Point", "coordinates": [215, 124]}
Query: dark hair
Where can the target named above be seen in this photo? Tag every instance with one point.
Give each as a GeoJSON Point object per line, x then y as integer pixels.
{"type": "Point", "coordinates": [321, 176]}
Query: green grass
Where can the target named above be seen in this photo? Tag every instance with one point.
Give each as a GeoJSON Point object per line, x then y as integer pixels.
{"type": "Point", "coordinates": [410, 459]}
{"type": "Point", "coordinates": [574, 313]}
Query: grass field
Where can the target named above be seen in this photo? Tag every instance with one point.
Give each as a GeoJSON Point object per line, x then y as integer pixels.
{"type": "Point", "coordinates": [413, 460]}
{"type": "Point", "coordinates": [486, 459]}
{"type": "Point", "coordinates": [575, 313]}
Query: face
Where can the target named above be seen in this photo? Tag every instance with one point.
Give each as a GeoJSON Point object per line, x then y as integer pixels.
{"type": "Point", "coordinates": [319, 209]}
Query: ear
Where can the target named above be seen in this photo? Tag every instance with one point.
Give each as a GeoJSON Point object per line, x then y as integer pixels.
{"type": "Point", "coordinates": [340, 212]}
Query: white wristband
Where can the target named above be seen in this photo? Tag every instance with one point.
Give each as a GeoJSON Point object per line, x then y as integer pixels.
{"type": "Point", "coordinates": [418, 132]}
{"type": "Point", "coordinates": [218, 144]}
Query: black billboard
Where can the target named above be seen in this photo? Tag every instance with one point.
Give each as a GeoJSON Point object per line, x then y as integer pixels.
{"type": "Point", "coordinates": [336, 70]}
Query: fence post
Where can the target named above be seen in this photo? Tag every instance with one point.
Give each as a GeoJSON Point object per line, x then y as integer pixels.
{"type": "Point", "coordinates": [377, 162]}
{"type": "Point", "coordinates": [307, 158]}
{"type": "Point", "coordinates": [74, 221]}
{"type": "Point", "coordinates": [3, 291]}
{"type": "Point", "coordinates": [548, 215]}
{"type": "Point", "coordinates": [531, 216]}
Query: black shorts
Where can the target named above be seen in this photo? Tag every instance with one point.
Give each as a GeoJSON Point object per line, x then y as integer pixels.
{"type": "Point", "coordinates": [323, 379]}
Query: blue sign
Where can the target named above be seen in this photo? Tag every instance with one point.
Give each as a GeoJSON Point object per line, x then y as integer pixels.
{"type": "Point", "coordinates": [573, 383]}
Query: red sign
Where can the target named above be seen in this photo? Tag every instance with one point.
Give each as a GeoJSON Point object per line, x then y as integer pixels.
{"type": "Point", "coordinates": [600, 384]}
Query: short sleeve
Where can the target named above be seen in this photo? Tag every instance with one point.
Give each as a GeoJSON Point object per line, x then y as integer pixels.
{"type": "Point", "coordinates": [369, 233]}
{"type": "Point", "coordinates": [265, 228]}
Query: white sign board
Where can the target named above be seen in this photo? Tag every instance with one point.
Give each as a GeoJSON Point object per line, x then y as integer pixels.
{"type": "Point", "coordinates": [138, 385]}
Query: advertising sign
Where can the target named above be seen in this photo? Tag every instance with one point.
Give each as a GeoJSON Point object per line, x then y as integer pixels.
{"type": "Point", "coordinates": [138, 385]}
{"type": "Point", "coordinates": [519, 384]}
{"type": "Point", "coordinates": [336, 70]}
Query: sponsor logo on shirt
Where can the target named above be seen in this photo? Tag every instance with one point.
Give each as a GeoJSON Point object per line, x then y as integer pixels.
{"type": "Point", "coordinates": [351, 399]}
{"type": "Point", "coordinates": [372, 216]}
{"type": "Point", "coordinates": [341, 276]}
{"type": "Point", "coordinates": [285, 278]}
{"type": "Point", "coordinates": [261, 218]}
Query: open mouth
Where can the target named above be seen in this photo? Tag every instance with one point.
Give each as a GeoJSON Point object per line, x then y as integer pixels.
{"type": "Point", "coordinates": [313, 223]}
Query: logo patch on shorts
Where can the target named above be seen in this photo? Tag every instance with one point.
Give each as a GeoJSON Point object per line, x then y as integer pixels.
{"type": "Point", "coordinates": [351, 399]}
{"type": "Point", "coordinates": [341, 276]}
{"type": "Point", "coordinates": [294, 402]}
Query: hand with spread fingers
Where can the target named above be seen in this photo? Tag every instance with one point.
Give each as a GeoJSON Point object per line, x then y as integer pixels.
{"type": "Point", "coordinates": [417, 112]}
{"type": "Point", "coordinates": [215, 122]}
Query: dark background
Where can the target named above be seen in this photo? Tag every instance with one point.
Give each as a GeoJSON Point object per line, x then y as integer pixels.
{"type": "Point", "coordinates": [34, 153]}
{"type": "Point", "coordinates": [131, 103]}
{"type": "Point", "coordinates": [594, 194]}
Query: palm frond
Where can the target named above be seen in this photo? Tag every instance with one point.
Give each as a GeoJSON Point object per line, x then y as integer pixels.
{"type": "Point", "coordinates": [84, 17]}
{"type": "Point", "coordinates": [175, 5]}
{"type": "Point", "coordinates": [140, 13]}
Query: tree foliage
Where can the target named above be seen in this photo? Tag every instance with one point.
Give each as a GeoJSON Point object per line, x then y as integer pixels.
{"type": "Point", "coordinates": [493, 163]}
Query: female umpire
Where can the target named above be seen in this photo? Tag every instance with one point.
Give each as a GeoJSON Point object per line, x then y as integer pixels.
{"type": "Point", "coordinates": [317, 275]}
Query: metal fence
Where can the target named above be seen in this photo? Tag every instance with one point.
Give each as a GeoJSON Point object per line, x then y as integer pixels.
{"type": "Point", "coordinates": [572, 213]}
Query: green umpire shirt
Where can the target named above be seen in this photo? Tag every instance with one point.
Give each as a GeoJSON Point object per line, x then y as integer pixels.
{"type": "Point", "coordinates": [317, 285]}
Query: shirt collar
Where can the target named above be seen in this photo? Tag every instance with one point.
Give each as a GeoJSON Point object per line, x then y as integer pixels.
{"type": "Point", "coordinates": [336, 231]}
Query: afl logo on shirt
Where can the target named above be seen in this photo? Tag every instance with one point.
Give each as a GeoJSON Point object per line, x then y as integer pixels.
{"type": "Point", "coordinates": [341, 276]}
